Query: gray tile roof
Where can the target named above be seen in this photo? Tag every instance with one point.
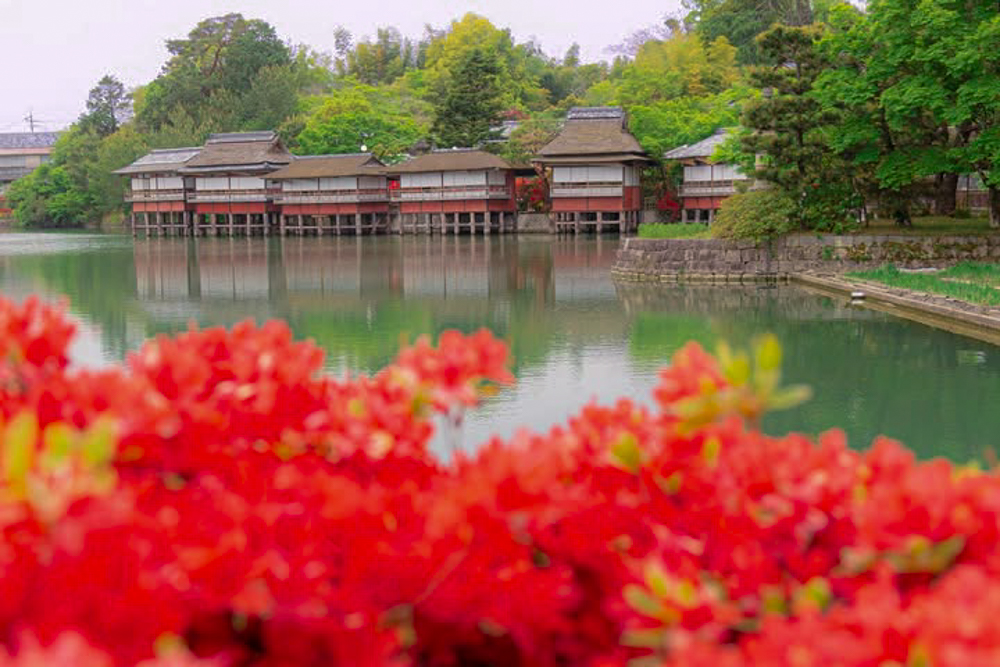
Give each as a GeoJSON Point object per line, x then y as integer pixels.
{"type": "Point", "coordinates": [26, 140]}
{"type": "Point", "coordinates": [704, 148]}
{"type": "Point", "coordinates": [161, 160]}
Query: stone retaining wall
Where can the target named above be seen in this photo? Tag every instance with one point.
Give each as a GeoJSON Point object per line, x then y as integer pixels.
{"type": "Point", "coordinates": [534, 223]}
{"type": "Point", "coordinates": [714, 259]}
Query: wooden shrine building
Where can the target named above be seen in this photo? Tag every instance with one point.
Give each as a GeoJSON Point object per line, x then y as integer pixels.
{"type": "Point", "coordinates": [706, 183]}
{"type": "Point", "coordinates": [596, 167]}
{"type": "Point", "coordinates": [454, 190]}
{"type": "Point", "coordinates": [332, 194]}
{"type": "Point", "coordinates": [230, 194]}
{"type": "Point", "coordinates": [158, 192]}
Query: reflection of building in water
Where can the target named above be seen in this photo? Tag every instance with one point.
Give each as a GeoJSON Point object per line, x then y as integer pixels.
{"type": "Point", "coordinates": [439, 267]}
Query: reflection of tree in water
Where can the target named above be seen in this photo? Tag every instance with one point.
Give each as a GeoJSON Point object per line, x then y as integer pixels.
{"type": "Point", "coordinates": [100, 284]}
{"type": "Point", "coordinates": [871, 373]}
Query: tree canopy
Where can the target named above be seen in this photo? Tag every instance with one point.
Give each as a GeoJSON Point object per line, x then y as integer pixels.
{"type": "Point", "coordinates": [839, 105]}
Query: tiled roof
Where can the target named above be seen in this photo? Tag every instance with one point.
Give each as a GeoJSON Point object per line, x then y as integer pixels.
{"type": "Point", "coordinates": [24, 140]}
{"type": "Point", "coordinates": [594, 131]}
{"type": "Point", "coordinates": [329, 166]}
{"type": "Point", "coordinates": [456, 159]}
{"type": "Point", "coordinates": [161, 160]}
{"type": "Point", "coordinates": [243, 151]}
{"type": "Point", "coordinates": [704, 148]}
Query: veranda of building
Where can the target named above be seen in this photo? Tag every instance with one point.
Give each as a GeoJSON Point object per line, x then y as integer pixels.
{"type": "Point", "coordinates": [230, 192]}
{"type": "Point", "coordinates": [596, 167]}
{"type": "Point", "coordinates": [20, 154]}
{"type": "Point", "coordinates": [454, 190]}
{"type": "Point", "coordinates": [332, 194]}
{"type": "Point", "coordinates": [706, 183]}
{"type": "Point", "coordinates": [158, 193]}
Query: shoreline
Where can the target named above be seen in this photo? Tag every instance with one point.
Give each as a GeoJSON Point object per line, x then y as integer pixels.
{"type": "Point", "coordinates": [950, 314]}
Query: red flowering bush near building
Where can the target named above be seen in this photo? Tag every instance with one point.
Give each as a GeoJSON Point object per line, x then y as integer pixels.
{"type": "Point", "coordinates": [220, 502]}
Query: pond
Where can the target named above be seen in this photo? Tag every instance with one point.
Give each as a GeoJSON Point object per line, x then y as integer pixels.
{"type": "Point", "coordinates": [575, 334]}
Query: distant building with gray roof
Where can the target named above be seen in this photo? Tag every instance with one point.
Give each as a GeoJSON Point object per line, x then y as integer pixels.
{"type": "Point", "coordinates": [20, 154]}
{"type": "Point", "coordinates": [706, 183]}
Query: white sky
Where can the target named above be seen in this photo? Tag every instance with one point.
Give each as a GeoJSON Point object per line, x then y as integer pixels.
{"type": "Point", "coordinates": [53, 51]}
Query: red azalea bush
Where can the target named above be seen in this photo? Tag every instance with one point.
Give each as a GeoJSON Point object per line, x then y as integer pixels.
{"type": "Point", "coordinates": [218, 502]}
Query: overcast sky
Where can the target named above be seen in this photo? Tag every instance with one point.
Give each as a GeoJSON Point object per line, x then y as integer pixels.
{"type": "Point", "coordinates": [53, 51]}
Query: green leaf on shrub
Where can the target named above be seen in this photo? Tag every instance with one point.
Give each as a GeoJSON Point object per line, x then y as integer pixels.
{"type": "Point", "coordinates": [626, 452]}
{"type": "Point", "coordinates": [789, 397]}
{"type": "Point", "coordinates": [98, 444]}
{"type": "Point", "coordinates": [651, 638]}
{"type": "Point", "coordinates": [19, 438]}
{"type": "Point", "coordinates": [921, 556]}
{"type": "Point", "coordinates": [815, 593]}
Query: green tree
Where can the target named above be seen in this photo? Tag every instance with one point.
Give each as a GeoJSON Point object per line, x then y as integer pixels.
{"type": "Point", "coordinates": [219, 58]}
{"type": "Point", "coordinates": [108, 106]}
{"type": "Point", "coordinates": [668, 124]}
{"type": "Point", "coordinates": [741, 21]}
{"type": "Point", "coordinates": [473, 102]}
{"type": "Point", "coordinates": [788, 127]}
{"type": "Point", "coordinates": [47, 197]}
{"type": "Point", "coordinates": [356, 116]}
{"type": "Point", "coordinates": [681, 65]}
{"type": "Point", "coordinates": [381, 60]}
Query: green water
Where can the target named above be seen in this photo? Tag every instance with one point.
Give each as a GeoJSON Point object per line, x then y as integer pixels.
{"type": "Point", "coordinates": [575, 334]}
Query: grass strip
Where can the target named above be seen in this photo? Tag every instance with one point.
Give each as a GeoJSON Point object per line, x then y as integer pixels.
{"type": "Point", "coordinates": [972, 286]}
{"type": "Point", "coordinates": [674, 231]}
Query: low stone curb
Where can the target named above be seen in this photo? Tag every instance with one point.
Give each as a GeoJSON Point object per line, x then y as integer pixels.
{"type": "Point", "coordinates": [979, 322]}
{"type": "Point", "coordinates": [701, 278]}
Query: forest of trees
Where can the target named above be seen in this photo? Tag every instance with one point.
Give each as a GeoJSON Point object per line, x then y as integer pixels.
{"type": "Point", "coordinates": [847, 105]}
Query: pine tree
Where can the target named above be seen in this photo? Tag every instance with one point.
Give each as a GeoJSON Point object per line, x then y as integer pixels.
{"type": "Point", "coordinates": [787, 127]}
{"type": "Point", "coordinates": [473, 102]}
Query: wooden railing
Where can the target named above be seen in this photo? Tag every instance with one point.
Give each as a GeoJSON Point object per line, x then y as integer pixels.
{"type": "Point", "coordinates": [232, 196]}
{"type": "Point", "coordinates": [588, 189]}
{"type": "Point", "coordinates": [154, 195]}
{"type": "Point", "coordinates": [331, 196]}
{"type": "Point", "coordinates": [712, 188]}
{"type": "Point", "coordinates": [450, 193]}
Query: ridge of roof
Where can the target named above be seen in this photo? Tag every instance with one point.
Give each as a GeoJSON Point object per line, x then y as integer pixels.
{"type": "Point", "coordinates": [451, 159]}
{"type": "Point", "coordinates": [329, 166]}
{"type": "Point", "coordinates": [241, 137]}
